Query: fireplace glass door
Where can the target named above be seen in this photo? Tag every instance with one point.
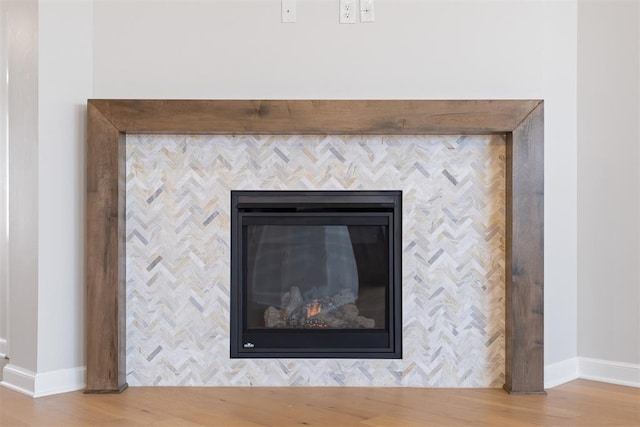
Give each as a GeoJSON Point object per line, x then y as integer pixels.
{"type": "Point", "coordinates": [315, 274]}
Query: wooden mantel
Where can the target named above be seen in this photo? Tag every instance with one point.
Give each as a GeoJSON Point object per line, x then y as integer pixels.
{"type": "Point", "coordinates": [110, 120]}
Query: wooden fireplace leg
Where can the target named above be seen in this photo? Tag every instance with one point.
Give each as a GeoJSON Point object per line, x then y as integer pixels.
{"type": "Point", "coordinates": [105, 256]}
{"type": "Point", "coordinates": [524, 311]}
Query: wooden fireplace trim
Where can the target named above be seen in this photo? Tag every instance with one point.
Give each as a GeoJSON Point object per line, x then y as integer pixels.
{"type": "Point", "coordinates": [109, 121]}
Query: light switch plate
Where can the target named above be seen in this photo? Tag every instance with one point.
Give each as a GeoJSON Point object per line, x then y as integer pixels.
{"type": "Point", "coordinates": [288, 11]}
{"type": "Point", "coordinates": [366, 11]}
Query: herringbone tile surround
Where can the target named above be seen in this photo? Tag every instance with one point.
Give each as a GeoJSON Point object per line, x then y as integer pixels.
{"type": "Point", "coordinates": [178, 254]}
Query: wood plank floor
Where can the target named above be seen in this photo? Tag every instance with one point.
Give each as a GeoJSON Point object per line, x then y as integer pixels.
{"type": "Point", "coordinates": [578, 403]}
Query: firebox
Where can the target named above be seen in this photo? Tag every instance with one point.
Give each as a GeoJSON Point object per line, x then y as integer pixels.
{"type": "Point", "coordinates": [316, 274]}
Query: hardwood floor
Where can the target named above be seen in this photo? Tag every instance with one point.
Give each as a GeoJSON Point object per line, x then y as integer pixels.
{"type": "Point", "coordinates": [578, 403]}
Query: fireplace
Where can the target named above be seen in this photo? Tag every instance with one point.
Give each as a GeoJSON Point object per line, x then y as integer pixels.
{"type": "Point", "coordinates": [316, 274]}
{"type": "Point", "coordinates": [109, 122]}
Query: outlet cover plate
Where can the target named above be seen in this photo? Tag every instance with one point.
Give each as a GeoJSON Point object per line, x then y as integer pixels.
{"type": "Point", "coordinates": [348, 10]}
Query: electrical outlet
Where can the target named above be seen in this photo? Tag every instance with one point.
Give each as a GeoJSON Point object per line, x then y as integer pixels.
{"type": "Point", "coordinates": [366, 11]}
{"type": "Point", "coordinates": [288, 10]}
{"type": "Point", "coordinates": [348, 11]}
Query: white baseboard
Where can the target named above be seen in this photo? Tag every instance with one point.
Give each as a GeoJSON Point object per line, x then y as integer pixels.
{"type": "Point", "coordinates": [60, 381]}
{"type": "Point", "coordinates": [3, 348]}
{"type": "Point", "coordinates": [66, 380]}
{"type": "Point", "coordinates": [43, 384]}
{"type": "Point", "coordinates": [19, 379]}
{"type": "Point", "coordinates": [561, 372]}
{"type": "Point", "coordinates": [610, 372]}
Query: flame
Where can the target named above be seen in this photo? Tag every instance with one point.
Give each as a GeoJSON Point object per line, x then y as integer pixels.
{"type": "Point", "coordinates": [313, 308]}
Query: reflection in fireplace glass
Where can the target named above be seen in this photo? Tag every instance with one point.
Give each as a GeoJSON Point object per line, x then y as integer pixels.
{"type": "Point", "coordinates": [316, 276]}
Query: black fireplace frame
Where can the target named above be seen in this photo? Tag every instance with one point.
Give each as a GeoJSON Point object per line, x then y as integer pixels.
{"type": "Point", "coordinates": [389, 339]}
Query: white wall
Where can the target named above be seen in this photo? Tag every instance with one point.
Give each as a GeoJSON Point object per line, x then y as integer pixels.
{"type": "Point", "coordinates": [609, 181]}
{"type": "Point", "coordinates": [3, 184]}
{"type": "Point", "coordinates": [239, 49]}
{"type": "Point", "coordinates": [50, 79]}
{"type": "Point", "coordinates": [415, 49]}
{"type": "Point", "coordinates": [65, 83]}
{"type": "Point", "coordinates": [22, 49]}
